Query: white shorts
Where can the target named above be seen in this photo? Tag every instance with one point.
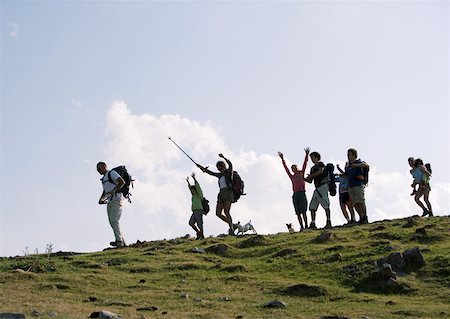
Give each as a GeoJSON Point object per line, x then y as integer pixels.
{"type": "Point", "coordinates": [320, 196]}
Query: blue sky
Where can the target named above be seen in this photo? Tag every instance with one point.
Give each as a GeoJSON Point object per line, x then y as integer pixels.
{"type": "Point", "coordinates": [88, 81]}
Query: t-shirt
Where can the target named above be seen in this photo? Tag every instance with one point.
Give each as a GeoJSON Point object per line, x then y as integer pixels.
{"type": "Point", "coordinates": [108, 186]}
{"type": "Point", "coordinates": [355, 174]}
{"type": "Point", "coordinates": [318, 180]}
{"type": "Point", "coordinates": [343, 184]}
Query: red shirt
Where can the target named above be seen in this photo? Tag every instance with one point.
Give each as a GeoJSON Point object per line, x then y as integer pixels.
{"type": "Point", "coordinates": [298, 181]}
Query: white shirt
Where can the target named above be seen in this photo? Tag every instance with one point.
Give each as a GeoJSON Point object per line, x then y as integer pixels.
{"type": "Point", "coordinates": [222, 182]}
{"type": "Point", "coordinates": [108, 186]}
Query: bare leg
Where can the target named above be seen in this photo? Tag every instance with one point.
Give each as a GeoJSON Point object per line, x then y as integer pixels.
{"type": "Point", "coordinates": [344, 211]}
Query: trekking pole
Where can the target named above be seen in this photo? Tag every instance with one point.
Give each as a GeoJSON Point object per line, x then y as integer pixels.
{"type": "Point", "coordinates": [182, 150]}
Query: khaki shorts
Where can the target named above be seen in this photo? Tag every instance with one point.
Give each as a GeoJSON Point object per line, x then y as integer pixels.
{"type": "Point", "coordinates": [225, 195]}
{"type": "Point", "coordinates": [320, 196]}
{"type": "Point", "coordinates": [357, 194]}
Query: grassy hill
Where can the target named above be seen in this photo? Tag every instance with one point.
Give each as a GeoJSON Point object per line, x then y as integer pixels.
{"type": "Point", "coordinates": [237, 276]}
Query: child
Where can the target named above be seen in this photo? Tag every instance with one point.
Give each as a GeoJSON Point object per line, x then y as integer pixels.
{"type": "Point", "coordinates": [196, 207]}
{"type": "Point", "coordinates": [411, 164]}
{"type": "Point", "coordinates": [344, 198]}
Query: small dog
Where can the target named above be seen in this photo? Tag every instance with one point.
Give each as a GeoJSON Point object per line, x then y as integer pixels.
{"type": "Point", "coordinates": [242, 229]}
{"type": "Point", "coordinates": [289, 227]}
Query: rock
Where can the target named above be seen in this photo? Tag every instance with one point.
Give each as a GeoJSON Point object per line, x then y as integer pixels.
{"type": "Point", "coordinates": [396, 260]}
{"type": "Point", "coordinates": [220, 249]}
{"type": "Point", "coordinates": [103, 314]}
{"type": "Point", "coordinates": [326, 235]}
{"type": "Point", "coordinates": [198, 250]}
{"type": "Point", "coordinates": [52, 313]}
{"type": "Point", "coordinates": [10, 315]}
{"type": "Point", "coordinates": [184, 296]}
{"type": "Point", "coordinates": [392, 282]}
{"type": "Point", "coordinates": [390, 303]}
{"type": "Point", "coordinates": [380, 227]}
{"type": "Point", "coordinates": [35, 313]}
{"type": "Point", "coordinates": [198, 299]}
{"type": "Point", "coordinates": [142, 281]}
{"type": "Point", "coordinates": [386, 272]}
{"type": "Point", "coordinates": [414, 258]}
{"type": "Point", "coordinates": [225, 298]}
{"type": "Point", "coordinates": [275, 304]}
{"type": "Point", "coordinates": [334, 317]}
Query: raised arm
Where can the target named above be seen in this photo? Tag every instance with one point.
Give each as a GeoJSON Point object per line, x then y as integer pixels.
{"type": "Point", "coordinates": [305, 161]}
{"type": "Point", "coordinates": [230, 165]}
{"type": "Point", "coordinates": [284, 164]}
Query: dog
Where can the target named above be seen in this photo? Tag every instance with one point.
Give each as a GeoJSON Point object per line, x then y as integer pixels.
{"type": "Point", "coordinates": [242, 229]}
{"type": "Point", "coordinates": [289, 227]}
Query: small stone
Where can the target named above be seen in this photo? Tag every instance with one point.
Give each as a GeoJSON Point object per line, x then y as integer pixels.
{"type": "Point", "coordinates": [275, 304]}
{"type": "Point", "coordinates": [198, 299]}
{"type": "Point", "coordinates": [390, 303]}
{"type": "Point", "coordinates": [142, 281]}
{"type": "Point", "coordinates": [35, 313]}
{"type": "Point", "coordinates": [184, 296]}
{"type": "Point", "coordinates": [198, 250]}
{"type": "Point", "coordinates": [225, 298]}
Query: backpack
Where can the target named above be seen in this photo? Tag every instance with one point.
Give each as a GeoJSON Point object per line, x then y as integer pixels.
{"type": "Point", "coordinates": [331, 179]}
{"type": "Point", "coordinates": [237, 186]}
{"type": "Point", "coordinates": [365, 174]}
{"type": "Point", "coordinates": [428, 167]}
{"type": "Point", "coordinates": [205, 205]}
{"type": "Point", "coordinates": [122, 171]}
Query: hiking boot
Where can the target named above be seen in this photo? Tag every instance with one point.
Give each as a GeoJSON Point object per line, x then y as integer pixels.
{"type": "Point", "coordinates": [363, 220]}
{"type": "Point", "coordinates": [328, 225]}
{"type": "Point", "coordinates": [413, 193]}
{"type": "Point", "coordinates": [425, 213]}
{"type": "Point", "coordinates": [351, 222]}
{"type": "Point", "coordinates": [117, 243]}
{"type": "Point", "coordinates": [231, 232]}
{"type": "Point", "coordinates": [312, 226]}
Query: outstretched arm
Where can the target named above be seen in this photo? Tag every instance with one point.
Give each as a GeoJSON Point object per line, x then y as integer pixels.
{"type": "Point", "coordinates": [305, 161]}
{"type": "Point", "coordinates": [284, 163]}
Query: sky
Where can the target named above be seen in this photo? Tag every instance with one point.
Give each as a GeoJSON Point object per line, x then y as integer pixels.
{"type": "Point", "coordinates": [83, 82]}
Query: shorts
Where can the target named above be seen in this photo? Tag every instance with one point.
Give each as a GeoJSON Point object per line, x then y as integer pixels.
{"type": "Point", "coordinates": [357, 194]}
{"type": "Point", "coordinates": [197, 218]}
{"type": "Point", "coordinates": [320, 196]}
{"type": "Point", "coordinates": [300, 202]}
{"type": "Point", "coordinates": [225, 195]}
{"type": "Point", "coordinates": [344, 197]}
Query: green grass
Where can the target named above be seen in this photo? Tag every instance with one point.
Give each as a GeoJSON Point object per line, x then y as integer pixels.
{"type": "Point", "coordinates": [238, 275]}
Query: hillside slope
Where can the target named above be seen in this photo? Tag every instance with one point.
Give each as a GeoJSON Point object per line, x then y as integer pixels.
{"type": "Point", "coordinates": [234, 277]}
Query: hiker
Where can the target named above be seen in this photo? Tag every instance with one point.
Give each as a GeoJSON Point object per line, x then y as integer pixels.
{"type": "Point", "coordinates": [318, 174]}
{"type": "Point", "coordinates": [421, 178]}
{"type": "Point", "coordinates": [196, 207]}
{"type": "Point", "coordinates": [357, 173]}
{"type": "Point", "coordinates": [112, 182]}
{"type": "Point", "coordinates": [344, 197]}
{"type": "Point", "coordinates": [226, 195]}
{"type": "Point", "coordinates": [298, 187]}
{"type": "Point", "coordinates": [411, 164]}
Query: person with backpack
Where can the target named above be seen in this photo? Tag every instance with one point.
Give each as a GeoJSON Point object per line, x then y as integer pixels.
{"type": "Point", "coordinates": [319, 174]}
{"type": "Point", "coordinates": [357, 172]}
{"type": "Point", "coordinates": [111, 196]}
{"type": "Point", "coordinates": [226, 195]}
{"type": "Point", "coordinates": [422, 178]}
{"type": "Point", "coordinates": [344, 197]}
{"type": "Point", "coordinates": [299, 199]}
{"type": "Point", "coordinates": [196, 207]}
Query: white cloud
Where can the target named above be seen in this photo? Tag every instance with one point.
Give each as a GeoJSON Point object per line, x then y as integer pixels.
{"type": "Point", "coordinates": [161, 201]}
{"type": "Point", "coordinates": [15, 31]}
{"type": "Point", "coordinates": [76, 103]}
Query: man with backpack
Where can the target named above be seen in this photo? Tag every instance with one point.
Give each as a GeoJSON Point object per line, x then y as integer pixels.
{"type": "Point", "coordinates": [318, 174]}
{"type": "Point", "coordinates": [357, 172]}
{"type": "Point", "coordinates": [111, 196]}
